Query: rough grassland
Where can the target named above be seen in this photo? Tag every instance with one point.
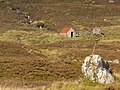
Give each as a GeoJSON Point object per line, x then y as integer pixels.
{"type": "Point", "coordinates": [40, 59]}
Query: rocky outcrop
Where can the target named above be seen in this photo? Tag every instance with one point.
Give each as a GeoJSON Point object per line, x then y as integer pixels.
{"type": "Point", "coordinates": [97, 69]}
{"type": "Point", "coordinates": [39, 24]}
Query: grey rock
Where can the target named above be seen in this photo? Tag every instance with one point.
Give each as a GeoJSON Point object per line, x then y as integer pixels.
{"type": "Point", "coordinates": [96, 31]}
{"type": "Point", "coordinates": [116, 61]}
{"type": "Point", "coordinates": [39, 24]}
{"type": "Point", "coordinates": [97, 69]}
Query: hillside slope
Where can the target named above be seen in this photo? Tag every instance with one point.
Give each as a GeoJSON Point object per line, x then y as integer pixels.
{"type": "Point", "coordinates": [58, 14]}
{"type": "Point", "coordinates": [33, 57]}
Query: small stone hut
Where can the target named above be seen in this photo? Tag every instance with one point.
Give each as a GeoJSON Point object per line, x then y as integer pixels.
{"type": "Point", "coordinates": [68, 32]}
{"type": "Point", "coordinates": [96, 31]}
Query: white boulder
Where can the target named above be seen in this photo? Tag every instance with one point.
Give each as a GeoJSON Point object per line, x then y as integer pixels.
{"type": "Point", "coordinates": [97, 69]}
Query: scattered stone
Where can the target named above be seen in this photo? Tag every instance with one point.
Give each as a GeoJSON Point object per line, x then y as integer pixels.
{"type": "Point", "coordinates": [97, 69]}
{"type": "Point", "coordinates": [105, 19]}
{"type": "Point", "coordinates": [78, 82]}
{"type": "Point", "coordinates": [116, 61]}
{"type": "Point", "coordinates": [39, 24]}
{"type": "Point", "coordinates": [111, 1]}
{"type": "Point", "coordinates": [74, 60]}
{"type": "Point", "coordinates": [93, 2]}
{"type": "Point", "coordinates": [30, 51]}
{"type": "Point", "coordinates": [110, 61]}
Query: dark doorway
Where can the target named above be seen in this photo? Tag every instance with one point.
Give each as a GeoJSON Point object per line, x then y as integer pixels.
{"type": "Point", "coordinates": [71, 34]}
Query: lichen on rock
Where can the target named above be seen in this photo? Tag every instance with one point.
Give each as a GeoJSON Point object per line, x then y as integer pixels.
{"type": "Point", "coordinates": [97, 69]}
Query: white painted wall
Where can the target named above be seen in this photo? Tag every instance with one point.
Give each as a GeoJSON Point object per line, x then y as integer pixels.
{"type": "Point", "coordinates": [69, 33]}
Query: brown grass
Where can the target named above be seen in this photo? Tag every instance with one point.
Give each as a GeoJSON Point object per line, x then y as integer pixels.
{"type": "Point", "coordinates": [39, 60]}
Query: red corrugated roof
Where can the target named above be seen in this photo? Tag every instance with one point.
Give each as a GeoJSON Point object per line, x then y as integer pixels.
{"type": "Point", "coordinates": [65, 30]}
